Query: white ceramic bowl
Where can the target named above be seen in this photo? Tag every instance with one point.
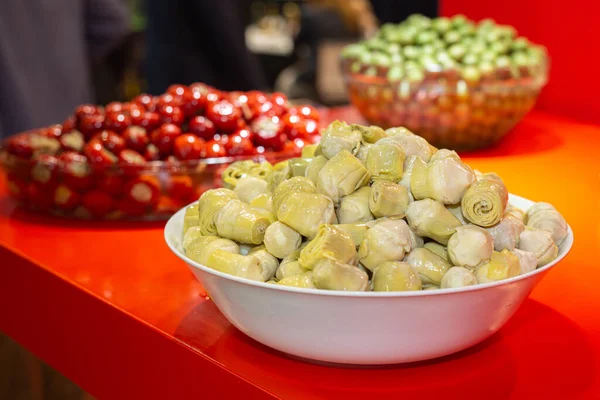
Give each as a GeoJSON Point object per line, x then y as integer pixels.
{"type": "Point", "coordinates": [364, 327]}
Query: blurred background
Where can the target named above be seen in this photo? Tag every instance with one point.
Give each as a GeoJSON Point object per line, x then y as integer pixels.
{"type": "Point", "coordinates": [57, 54]}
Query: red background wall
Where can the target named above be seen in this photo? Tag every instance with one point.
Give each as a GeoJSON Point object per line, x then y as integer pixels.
{"type": "Point", "coordinates": [571, 32]}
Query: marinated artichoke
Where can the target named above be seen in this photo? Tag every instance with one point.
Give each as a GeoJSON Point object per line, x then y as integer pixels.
{"type": "Point", "coordinates": [339, 136]}
{"type": "Point", "coordinates": [342, 175]}
{"type": "Point", "coordinates": [280, 240]}
{"type": "Point", "coordinates": [385, 161]}
{"type": "Point", "coordinates": [388, 198]}
{"type": "Point", "coordinates": [431, 219]}
{"type": "Point", "coordinates": [502, 265]}
{"type": "Point", "coordinates": [470, 246]}
{"type": "Point", "coordinates": [506, 233]}
{"type": "Point", "coordinates": [305, 212]}
{"type": "Point", "coordinates": [457, 277]}
{"type": "Point", "coordinates": [355, 207]}
{"type": "Point", "coordinates": [430, 267]}
{"type": "Point", "coordinates": [388, 240]}
{"type": "Point", "coordinates": [209, 204]}
{"type": "Point", "coordinates": [484, 202]}
{"type": "Point", "coordinates": [330, 243]}
{"type": "Point", "coordinates": [247, 189]}
{"type": "Point", "coordinates": [540, 243]}
{"type": "Point", "coordinates": [191, 218]}
{"type": "Point", "coordinates": [240, 222]}
{"type": "Point", "coordinates": [334, 275]}
{"type": "Point", "coordinates": [545, 217]}
{"type": "Point", "coordinates": [395, 276]}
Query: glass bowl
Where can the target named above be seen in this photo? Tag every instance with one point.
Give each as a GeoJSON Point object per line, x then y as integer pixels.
{"type": "Point", "coordinates": [447, 110]}
{"type": "Point", "coordinates": [73, 188]}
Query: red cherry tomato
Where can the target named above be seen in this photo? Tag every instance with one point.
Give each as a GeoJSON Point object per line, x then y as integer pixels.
{"type": "Point", "coordinates": [52, 131]}
{"type": "Point", "coordinates": [182, 188]}
{"type": "Point", "coordinates": [110, 140]}
{"type": "Point", "coordinates": [69, 124]}
{"type": "Point", "coordinates": [148, 120]}
{"type": "Point", "coordinates": [85, 110]}
{"type": "Point", "coordinates": [136, 138]}
{"type": "Point", "coordinates": [45, 172]}
{"type": "Point", "coordinates": [202, 127]}
{"type": "Point", "coordinates": [132, 108]}
{"type": "Point", "coordinates": [215, 149]}
{"type": "Point", "coordinates": [239, 146]}
{"type": "Point", "coordinates": [98, 203]}
{"type": "Point", "coordinates": [224, 115]}
{"type": "Point", "coordinates": [280, 99]}
{"type": "Point", "coordinates": [268, 133]}
{"type": "Point", "coordinates": [72, 141]}
{"type": "Point", "coordinates": [168, 205]}
{"type": "Point", "coordinates": [20, 146]}
{"type": "Point", "coordinates": [306, 111]}
{"type": "Point", "coordinates": [239, 99]}
{"type": "Point", "coordinates": [131, 162]}
{"type": "Point", "coordinates": [144, 100]}
{"type": "Point", "coordinates": [171, 114]}
{"type": "Point", "coordinates": [111, 184]}
{"type": "Point", "coordinates": [296, 126]}
{"type": "Point", "coordinates": [194, 103]}
{"type": "Point", "coordinates": [143, 191]}
{"type": "Point", "coordinates": [89, 125]}
{"type": "Point", "coordinates": [38, 197]}
{"type": "Point", "coordinates": [65, 198]}
{"type": "Point", "coordinates": [76, 170]}
{"type": "Point", "coordinates": [188, 147]}
{"type": "Point", "coordinates": [113, 107]}
{"type": "Point", "coordinates": [164, 137]}
{"type": "Point", "coordinates": [97, 154]}
{"type": "Point", "coordinates": [151, 153]}
{"type": "Point", "coordinates": [117, 121]}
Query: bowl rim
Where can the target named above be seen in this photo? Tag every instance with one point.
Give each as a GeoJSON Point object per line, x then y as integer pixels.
{"type": "Point", "coordinates": [567, 243]}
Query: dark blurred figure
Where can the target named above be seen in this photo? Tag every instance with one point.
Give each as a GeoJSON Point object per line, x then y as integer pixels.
{"type": "Point", "coordinates": [397, 11]}
{"type": "Point", "coordinates": [199, 41]}
{"type": "Point", "coordinates": [46, 50]}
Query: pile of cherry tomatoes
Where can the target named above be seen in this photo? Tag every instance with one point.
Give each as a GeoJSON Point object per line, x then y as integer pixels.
{"type": "Point", "coordinates": [96, 163]}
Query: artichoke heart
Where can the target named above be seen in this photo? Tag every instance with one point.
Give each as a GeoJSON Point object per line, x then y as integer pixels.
{"type": "Point", "coordinates": [289, 268]}
{"type": "Point", "coordinates": [506, 233]}
{"type": "Point", "coordinates": [298, 165]}
{"type": "Point", "coordinates": [331, 274]}
{"type": "Point", "coordinates": [209, 204]}
{"type": "Point", "coordinates": [431, 219]}
{"type": "Point", "coordinates": [429, 266]}
{"type": "Point", "coordinates": [388, 198]}
{"type": "Point", "coordinates": [331, 243]}
{"type": "Point", "coordinates": [263, 201]}
{"type": "Point", "coordinates": [484, 202]}
{"type": "Point", "coordinates": [502, 265]}
{"type": "Point", "coordinates": [545, 217]}
{"type": "Point", "coordinates": [304, 281]}
{"type": "Point", "coordinates": [386, 240]}
{"type": "Point", "coordinates": [445, 178]}
{"type": "Point", "coordinates": [540, 243]}
{"type": "Point", "coordinates": [314, 166]}
{"type": "Point", "coordinates": [527, 260]}
{"type": "Point", "coordinates": [385, 161]}
{"type": "Point", "coordinates": [457, 277]}
{"type": "Point", "coordinates": [355, 207]}
{"type": "Point", "coordinates": [280, 240]}
{"type": "Point", "coordinates": [235, 264]}
{"type": "Point", "coordinates": [339, 136]}
{"type": "Point", "coordinates": [190, 235]}
{"type": "Point", "coordinates": [370, 134]}
{"type": "Point", "coordinates": [407, 174]}
{"type": "Point", "coordinates": [309, 150]}
{"type": "Point", "coordinates": [240, 222]}
{"type": "Point", "coordinates": [395, 276]}
{"type": "Point", "coordinates": [281, 172]}
{"type": "Point", "coordinates": [356, 231]}
{"type": "Point", "coordinates": [191, 217]}
{"type": "Point", "coordinates": [437, 249]}
{"type": "Point", "coordinates": [470, 246]}
{"type": "Point", "coordinates": [516, 212]}
{"type": "Point", "coordinates": [305, 212]}
{"type": "Point", "coordinates": [295, 184]}
{"type": "Point", "coordinates": [247, 189]}
{"type": "Point", "coordinates": [241, 169]}
{"type": "Point", "coordinates": [412, 144]}
{"type": "Point", "coordinates": [342, 175]}
{"type": "Point", "coordinates": [268, 262]}
{"type": "Point", "coordinates": [200, 249]}
{"type": "Point", "coordinates": [363, 152]}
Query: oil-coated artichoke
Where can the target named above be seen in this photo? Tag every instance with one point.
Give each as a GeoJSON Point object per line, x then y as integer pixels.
{"type": "Point", "coordinates": [268, 262]}
{"type": "Point", "coordinates": [527, 260]}
{"type": "Point", "coordinates": [502, 265]}
{"type": "Point", "coordinates": [370, 134]}
{"type": "Point", "coordinates": [263, 201]}
{"type": "Point", "coordinates": [339, 136]}
{"type": "Point", "coordinates": [388, 198]}
{"type": "Point", "coordinates": [457, 277]}
{"type": "Point", "coordinates": [295, 184]}
{"type": "Point", "coordinates": [387, 240]}
{"type": "Point", "coordinates": [445, 178]}
{"type": "Point", "coordinates": [298, 165]}
{"type": "Point", "coordinates": [240, 222]}
{"type": "Point", "coordinates": [249, 188]}
{"type": "Point", "coordinates": [506, 233]}
{"type": "Point", "coordinates": [540, 243]}
{"type": "Point", "coordinates": [281, 171]}
{"type": "Point", "coordinates": [331, 243]}
{"type": "Point", "coordinates": [356, 231]}
{"type": "Point", "coordinates": [395, 276]}
{"type": "Point", "coordinates": [236, 264]}
{"type": "Point", "coordinates": [334, 275]}
{"type": "Point", "coordinates": [412, 144]}
{"type": "Point", "coordinates": [342, 175]}
{"type": "Point", "coordinates": [430, 267]}
{"type": "Point", "coordinates": [280, 240]}
{"type": "Point", "coordinates": [545, 217]}
{"type": "Point", "coordinates": [192, 234]}
{"type": "Point", "coordinates": [437, 249]}
{"type": "Point", "coordinates": [209, 204]}
{"type": "Point", "coordinates": [385, 161]}
{"type": "Point", "coordinates": [200, 249]}
{"type": "Point", "coordinates": [191, 217]}
{"type": "Point", "coordinates": [305, 212]}
{"type": "Point", "coordinates": [470, 246]}
{"type": "Point", "coordinates": [304, 281]}
{"type": "Point", "coordinates": [431, 219]}
{"type": "Point", "coordinates": [484, 203]}
{"type": "Point", "coordinates": [407, 175]}
{"type": "Point", "coordinates": [355, 207]}
{"type": "Point", "coordinates": [313, 168]}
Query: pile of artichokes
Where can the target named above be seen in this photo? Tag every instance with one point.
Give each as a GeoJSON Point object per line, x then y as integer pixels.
{"type": "Point", "coordinates": [368, 209]}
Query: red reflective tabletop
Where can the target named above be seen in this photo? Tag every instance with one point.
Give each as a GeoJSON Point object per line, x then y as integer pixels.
{"type": "Point", "coordinates": [110, 307]}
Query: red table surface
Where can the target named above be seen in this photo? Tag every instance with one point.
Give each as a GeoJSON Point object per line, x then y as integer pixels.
{"type": "Point", "coordinates": [109, 306]}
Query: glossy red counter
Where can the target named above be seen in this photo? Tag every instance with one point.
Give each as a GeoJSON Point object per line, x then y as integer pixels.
{"type": "Point", "coordinates": [111, 308]}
